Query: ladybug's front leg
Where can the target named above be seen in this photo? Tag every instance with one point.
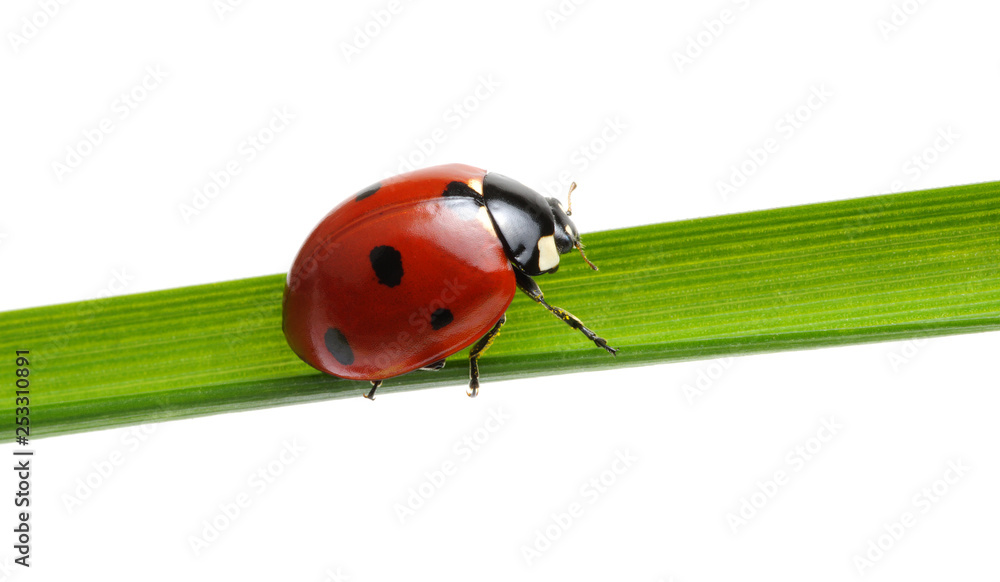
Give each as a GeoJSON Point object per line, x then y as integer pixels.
{"type": "Point", "coordinates": [531, 289]}
{"type": "Point", "coordinates": [371, 393]}
{"type": "Point", "coordinates": [477, 350]}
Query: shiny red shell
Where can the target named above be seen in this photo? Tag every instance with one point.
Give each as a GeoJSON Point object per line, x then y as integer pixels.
{"type": "Point", "coordinates": [397, 277]}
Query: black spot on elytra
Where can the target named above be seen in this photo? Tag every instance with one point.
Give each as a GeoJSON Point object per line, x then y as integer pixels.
{"type": "Point", "coordinates": [368, 191]}
{"type": "Point", "coordinates": [338, 347]}
{"type": "Point", "coordinates": [457, 188]}
{"type": "Point", "coordinates": [388, 265]}
{"type": "Point", "coordinates": [441, 317]}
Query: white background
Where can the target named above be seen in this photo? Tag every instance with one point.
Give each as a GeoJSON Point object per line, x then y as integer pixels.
{"type": "Point", "coordinates": [905, 409]}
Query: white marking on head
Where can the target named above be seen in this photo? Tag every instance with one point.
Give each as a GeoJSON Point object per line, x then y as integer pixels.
{"type": "Point", "coordinates": [483, 216]}
{"type": "Point", "coordinates": [569, 233]}
{"type": "Point", "coordinates": [548, 256]}
{"type": "Point", "coordinates": [477, 185]}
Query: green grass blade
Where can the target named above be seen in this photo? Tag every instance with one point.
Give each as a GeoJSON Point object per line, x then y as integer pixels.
{"type": "Point", "coordinates": [870, 269]}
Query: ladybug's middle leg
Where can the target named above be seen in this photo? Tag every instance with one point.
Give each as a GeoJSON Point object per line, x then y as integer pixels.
{"type": "Point", "coordinates": [434, 367]}
{"type": "Point", "coordinates": [371, 393]}
{"type": "Point", "coordinates": [477, 350]}
{"type": "Point", "coordinates": [531, 289]}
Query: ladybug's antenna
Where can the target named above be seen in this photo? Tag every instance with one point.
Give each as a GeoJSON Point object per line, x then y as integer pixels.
{"type": "Point", "coordinates": [569, 212]}
{"type": "Point", "coordinates": [579, 247]}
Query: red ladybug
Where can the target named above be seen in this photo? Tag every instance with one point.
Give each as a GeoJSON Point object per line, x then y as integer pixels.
{"type": "Point", "coordinates": [419, 266]}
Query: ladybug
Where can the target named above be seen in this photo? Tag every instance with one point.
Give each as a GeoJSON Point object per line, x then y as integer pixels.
{"type": "Point", "coordinates": [418, 267]}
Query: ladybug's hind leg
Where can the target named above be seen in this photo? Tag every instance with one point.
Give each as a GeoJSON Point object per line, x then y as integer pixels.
{"type": "Point", "coordinates": [531, 289]}
{"type": "Point", "coordinates": [476, 351]}
{"type": "Point", "coordinates": [371, 393]}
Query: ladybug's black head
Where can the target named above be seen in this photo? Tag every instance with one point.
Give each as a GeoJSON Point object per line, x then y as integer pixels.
{"type": "Point", "coordinates": [534, 230]}
{"type": "Point", "coordinates": [567, 237]}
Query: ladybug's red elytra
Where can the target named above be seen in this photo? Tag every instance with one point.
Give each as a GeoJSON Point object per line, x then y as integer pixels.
{"type": "Point", "coordinates": [418, 267]}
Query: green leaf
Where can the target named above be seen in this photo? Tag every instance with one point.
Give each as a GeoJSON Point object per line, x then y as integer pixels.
{"type": "Point", "coordinates": [864, 270]}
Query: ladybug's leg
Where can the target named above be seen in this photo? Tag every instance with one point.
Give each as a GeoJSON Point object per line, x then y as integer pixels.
{"type": "Point", "coordinates": [531, 289]}
{"type": "Point", "coordinates": [476, 351]}
{"type": "Point", "coordinates": [371, 393]}
{"type": "Point", "coordinates": [434, 366]}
